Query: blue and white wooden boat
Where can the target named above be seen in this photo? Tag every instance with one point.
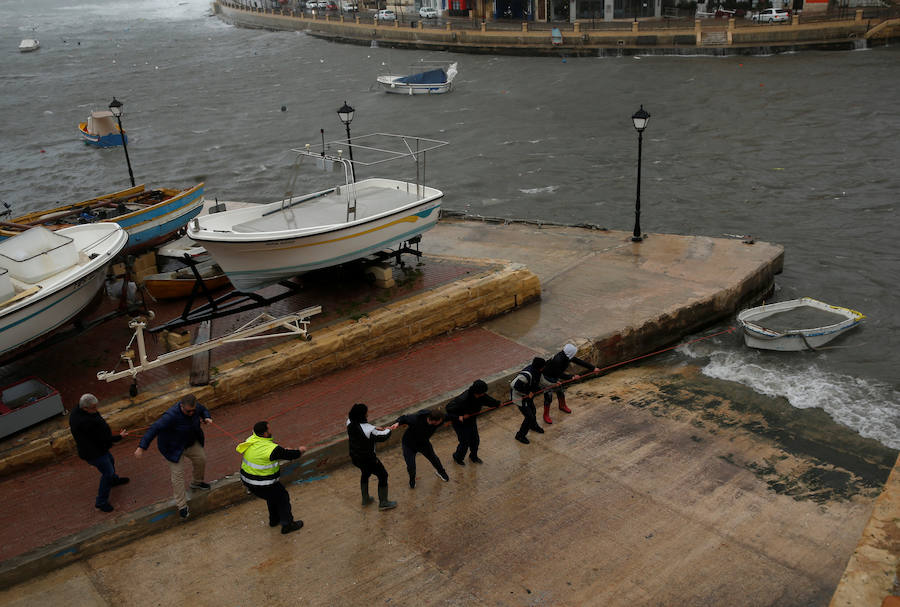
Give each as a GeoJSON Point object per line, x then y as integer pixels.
{"type": "Point", "coordinates": [47, 278]}
{"type": "Point", "coordinates": [796, 325]}
{"type": "Point", "coordinates": [428, 82]}
{"type": "Point", "coordinates": [150, 217]}
{"type": "Point", "coordinates": [102, 130]}
{"type": "Point", "coordinates": [263, 244]}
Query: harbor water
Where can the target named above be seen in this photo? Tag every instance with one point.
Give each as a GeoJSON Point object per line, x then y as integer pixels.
{"type": "Point", "coordinates": [799, 150]}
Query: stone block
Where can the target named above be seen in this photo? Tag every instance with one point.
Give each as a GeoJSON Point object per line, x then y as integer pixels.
{"type": "Point", "coordinates": [381, 275]}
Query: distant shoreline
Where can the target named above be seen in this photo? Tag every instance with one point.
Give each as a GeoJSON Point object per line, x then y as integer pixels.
{"type": "Point", "coordinates": [701, 37]}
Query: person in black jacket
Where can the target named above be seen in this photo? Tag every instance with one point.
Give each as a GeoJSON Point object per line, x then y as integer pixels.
{"type": "Point", "coordinates": [363, 437]}
{"type": "Point", "coordinates": [521, 392]}
{"type": "Point", "coordinates": [555, 372]}
{"type": "Point", "coordinates": [93, 438]}
{"type": "Point", "coordinates": [462, 412]}
{"type": "Point", "coordinates": [417, 439]}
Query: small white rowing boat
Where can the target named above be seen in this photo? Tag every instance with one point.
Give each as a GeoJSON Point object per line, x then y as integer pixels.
{"type": "Point", "coordinates": [428, 82]}
{"type": "Point", "coordinates": [795, 325]}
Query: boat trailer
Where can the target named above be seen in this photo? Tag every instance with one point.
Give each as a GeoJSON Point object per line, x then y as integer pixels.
{"type": "Point", "coordinates": [296, 324]}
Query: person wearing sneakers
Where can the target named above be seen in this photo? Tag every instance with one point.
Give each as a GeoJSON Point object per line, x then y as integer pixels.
{"type": "Point", "coordinates": [260, 469]}
{"type": "Point", "coordinates": [521, 392]}
{"type": "Point", "coordinates": [93, 438]}
{"type": "Point", "coordinates": [555, 372]}
{"type": "Point", "coordinates": [363, 437]}
{"type": "Point", "coordinates": [180, 433]}
{"type": "Point", "coordinates": [463, 411]}
{"type": "Point", "coordinates": [417, 439]}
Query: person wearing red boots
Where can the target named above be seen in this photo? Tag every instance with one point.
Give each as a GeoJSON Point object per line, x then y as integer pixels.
{"type": "Point", "coordinates": [555, 372]}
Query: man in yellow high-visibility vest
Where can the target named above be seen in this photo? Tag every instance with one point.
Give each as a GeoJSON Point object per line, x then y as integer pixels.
{"type": "Point", "coordinates": [260, 470]}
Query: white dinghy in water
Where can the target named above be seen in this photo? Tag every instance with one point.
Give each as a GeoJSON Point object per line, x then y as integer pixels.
{"type": "Point", "coordinates": [795, 325]}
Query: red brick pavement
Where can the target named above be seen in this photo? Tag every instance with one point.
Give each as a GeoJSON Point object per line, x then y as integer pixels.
{"type": "Point", "coordinates": [55, 501]}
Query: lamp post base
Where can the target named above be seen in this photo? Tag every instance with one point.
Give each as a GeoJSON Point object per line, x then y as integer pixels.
{"type": "Point", "coordinates": [636, 239]}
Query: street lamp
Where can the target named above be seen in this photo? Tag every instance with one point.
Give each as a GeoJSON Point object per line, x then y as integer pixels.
{"type": "Point", "coordinates": [346, 116]}
{"type": "Point", "coordinates": [116, 108]}
{"type": "Point", "coordinates": [640, 120]}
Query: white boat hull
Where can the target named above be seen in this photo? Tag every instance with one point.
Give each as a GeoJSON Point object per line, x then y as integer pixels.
{"type": "Point", "coordinates": [311, 237]}
{"type": "Point", "coordinates": [61, 297]}
{"type": "Point", "coordinates": [389, 84]}
{"type": "Point", "coordinates": [795, 340]}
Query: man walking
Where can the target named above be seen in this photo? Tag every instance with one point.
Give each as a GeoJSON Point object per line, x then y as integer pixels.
{"type": "Point", "coordinates": [260, 470]}
{"type": "Point", "coordinates": [417, 439]}
{"type": "Point", "coordinates": [363, 437]}
{"type": "Point", "coordinates": [93, 438]}
{"type": "Point", "coordinates": [555, 372]}
{"type": "Point", "coordinates": [462, 411]}
{"type": "Point", "coordinates": [180, 434]}
{"type": "Point", "coordinates": [522, 391]}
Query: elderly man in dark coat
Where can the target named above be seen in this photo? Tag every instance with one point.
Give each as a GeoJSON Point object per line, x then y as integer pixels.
{"type": "Point", "coordinates": [93, 438]}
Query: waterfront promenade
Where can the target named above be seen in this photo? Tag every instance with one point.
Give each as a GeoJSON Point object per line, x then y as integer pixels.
{"type": "Point", "coordinates": [645, 493]}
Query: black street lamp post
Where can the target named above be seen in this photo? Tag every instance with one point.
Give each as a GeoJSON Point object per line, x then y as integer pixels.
{"type": "Point", "coordinates": [640, 120]}
{"type": "Point", "coordinates": [346, 116]}
{"type": "Point", "coordinates": [116, 108]}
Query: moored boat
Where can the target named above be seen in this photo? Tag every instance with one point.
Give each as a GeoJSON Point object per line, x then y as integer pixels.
{"type": "Point", "coordinates": [150, 217]}
{"type": "Point", "coordinates": [795, 325]}
{"type": "Point", "coordinates": [180, 283]}
{"type": "Point", "coordinates": [47, 278]}
{"type": "Point", "coordinates": [264, 244]}
{"type": "Point", "coordinates": [427, 82]}
{"type": "Point", "coordinates": [101, 130]}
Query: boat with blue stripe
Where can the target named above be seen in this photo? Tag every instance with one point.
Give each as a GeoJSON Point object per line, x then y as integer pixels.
{"type": "Point", "coordinates": [149, 216]}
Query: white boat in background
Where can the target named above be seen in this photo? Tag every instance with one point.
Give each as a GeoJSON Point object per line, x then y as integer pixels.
{"type": "Point", "coordinates": [795, 325]}
{"type": "Point", "coordinates": [29, 44]}
{"type": "Point", "coordinates": [428, 82]}
{"type": "Point", "coordinates": [47, 278]}
{"type": "Point", "coordinates": [261, 245]}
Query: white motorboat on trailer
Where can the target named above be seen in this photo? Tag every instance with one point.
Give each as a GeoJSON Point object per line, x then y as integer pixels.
{"type": "Point", "coordinates": [264, 244]}
{"type": "Point", "coordinates": [795, 325]}
{"type": "Point", "coordinates": [47, 278]}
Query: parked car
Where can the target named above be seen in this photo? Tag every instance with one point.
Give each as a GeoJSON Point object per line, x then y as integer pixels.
{"type": "Point", "coordinates": [331, 6]}
{"type": "Point", "coordinates": [349, 6]}
{"type": "Point", "coordinates": [385, 14]}
{"type": "Point", "coordinates": [428, 12]}
{"type": "Point", "coordinates": [772, 15]}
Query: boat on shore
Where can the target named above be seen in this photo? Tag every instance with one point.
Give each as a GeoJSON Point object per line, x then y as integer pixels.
{"type": "Point", "coordinates": [796, 325]}
{"type": "Point", "coordinates": [180, 283]}
{"type": "Point", "coordinates": [149, 216]}
{"type": "Point", "coordinates": [427, 82]}
{"type": "Point", "coordinates": [47, 278]}
{"type": "Point", "coordinates": [101, 130]}
{"type": "Point", "coordinates": [261, 245]}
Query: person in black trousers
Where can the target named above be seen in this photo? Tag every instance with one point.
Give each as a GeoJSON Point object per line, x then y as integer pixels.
{"type": "Point", "coordinates": [417, 439]}
{"type": "Point", "coordinates": [93, 438]}
{"type": "Point", "coordinates": [521, 392]}
{"type": "Point", "coordinates": [555, 372]}
{"type": "Point", "coordinates": [462, 412]}
{"type": "Point", "coordinates": [363, 437]}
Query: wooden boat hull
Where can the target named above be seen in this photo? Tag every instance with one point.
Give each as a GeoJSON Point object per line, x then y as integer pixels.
{"type": "Point", "coordinates": [153, 216]}
{"type": "Point", "coordinates": [180, 283]}
{"type": "Point", "coordinates": [101, 141]}
{"type": "Point", "coordinates": [758, 336]}
{"type": "Point", "coordinates": [255, 259]}
{"type": "Point", "coordinates": [59, 298]}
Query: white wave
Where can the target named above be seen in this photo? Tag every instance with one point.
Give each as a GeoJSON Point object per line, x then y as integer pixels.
{"type": "Point", "coordinates": [869, 407]}
{"type": "Point", "coordinates": [165, 10]}
{"type": "Point", "coordinates": [545, 190]}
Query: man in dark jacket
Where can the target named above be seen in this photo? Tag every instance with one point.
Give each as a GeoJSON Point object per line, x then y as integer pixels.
{"type": "Point", "coordinates": [462, 412]}
{"type": "Point", "coordinates": [521, 392]}
{"type": "Point", "coordinates": [260, 469]}
{"type": "Point", "coordinates": [417, 439]}
{"type": "Point", "coordinates": [94, 439]}
{"type": "Point", "coordinates": [555, 372]}
{"type": "Point", "coordinates": [363, 437]}
{"type": "Point", "coordinates": [180, 433]}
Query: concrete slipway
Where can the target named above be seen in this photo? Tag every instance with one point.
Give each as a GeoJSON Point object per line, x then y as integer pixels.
{"type": "Point", "coordinates": [664, 487]}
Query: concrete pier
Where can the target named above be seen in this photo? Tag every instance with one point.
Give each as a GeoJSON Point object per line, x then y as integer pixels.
{"type": "Point", "coordinates": [663, 487]}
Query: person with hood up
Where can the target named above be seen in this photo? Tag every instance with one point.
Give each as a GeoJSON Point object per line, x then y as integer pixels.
{"type": "Point", "coordinates": [260, 469]}
{"type": "Point", "coordinates": [363, 437]}
{"type": "Point", "coordinates": [521, 392]}
{"type": "Point", "coordinates": [462, 411]}
{"type": "Point", "coordinates": [555, 372]}
{"type": "Point", "coordinates": [421, 427]}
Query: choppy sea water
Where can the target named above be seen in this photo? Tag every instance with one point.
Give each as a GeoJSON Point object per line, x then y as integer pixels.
{"type": "Point", "coordinates": [797, 149]}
